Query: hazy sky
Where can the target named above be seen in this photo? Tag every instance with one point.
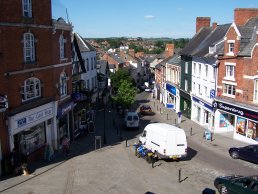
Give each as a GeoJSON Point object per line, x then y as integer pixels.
{"type": "Point", "coordinates": [144, 18]}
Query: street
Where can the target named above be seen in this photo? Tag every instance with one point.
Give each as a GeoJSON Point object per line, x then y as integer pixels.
{"type": "Point", "coordinates": [115, 169]}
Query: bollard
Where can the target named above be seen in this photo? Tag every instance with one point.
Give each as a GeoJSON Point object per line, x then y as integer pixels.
{"type": "Point", "coordinates": [211, 136]}
{"type": "Point", "coordinates": [179, 175]}
{"type": "Point", "coordinates": [191, 132]}
{"type": "Point", "coordinates": [126, 142]}
{"type": "Point", "coordinates": [157, 108]}
{"type": "Point", "coordinates": [167, 116]}
{"type": "Point", "coordinates": [154, 103]}
{"type": "Point", "coordinates": [160, 110]}
{"type": "Point", "coordinates": [175, 121]}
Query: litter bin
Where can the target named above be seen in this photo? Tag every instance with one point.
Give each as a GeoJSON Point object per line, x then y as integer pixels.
{"type": "Point", "coordinates": [207, 135]}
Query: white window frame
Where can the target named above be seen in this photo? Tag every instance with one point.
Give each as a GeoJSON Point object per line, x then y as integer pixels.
{"type": "Point", "coordinates": [28, 47]}
{"type": "Point", "coordinates": [27, 8]}
{"type": "Point", "coordinates": [256, 90]}
{"type": "Point", "coordinates": [229, 90]}
{"type": "Point", "coordinates": [205, 91]}
{"type": "Point", "coordinates": [63, 84]}
{"type": "Point", "coordinates": [231, 49]}
{"type": "Point", "coordinates": [62, 46]}
{"type": "Point", "coordinates": [186, 85]}
{"type": "Point", "coordinates": [200, 69]}
{"type": "Point", "coordinates": [186, 67]}
{"type": "Point", "coordinates": [31, 89]}
{"type": "Point", "coordinates": [206, 71]}
{"type": "Point", "coordinates": [194, 68]}
{"type": "Point", "coordinates": [230, 71]}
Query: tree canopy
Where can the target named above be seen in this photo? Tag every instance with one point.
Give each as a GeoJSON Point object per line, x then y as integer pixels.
{"type": "Point", "coordinates": [118, 77]}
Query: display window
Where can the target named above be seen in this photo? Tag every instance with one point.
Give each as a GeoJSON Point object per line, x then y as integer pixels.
{"type": "Point", "coordinates": [252, 130]}
{"type": "Point", "coordinates": [223, 120]}
{"type": "Point", "coordinates": [241, 126]}
{"type": "Point", "coordinates": [32, 139]}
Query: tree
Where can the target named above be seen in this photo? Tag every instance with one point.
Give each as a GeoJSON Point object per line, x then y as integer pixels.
{"type": "Point", "coordinates": [118, 77]}
{"type": "Point", "coordinates": [125, 94]}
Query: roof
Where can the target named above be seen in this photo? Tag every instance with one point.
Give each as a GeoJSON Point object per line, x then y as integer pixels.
{"type": "Point", "coordinates": [162, 127]}
{"type": "Point", "coordinates": [102, 66]}
{"type": "Point", "coordinates": [175, 60]}
{"type": "Point", "coordinates": [84, 45]}
{"type": "Point", "coordinates": [116, 58]}
{"type": "Point", "coordinates": [163, 63]}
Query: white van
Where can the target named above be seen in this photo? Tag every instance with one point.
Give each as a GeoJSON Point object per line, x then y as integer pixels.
{"type": "Point", "coordinates": [132, 120]}
{"type": "Point", "coordinates": [168, 141]}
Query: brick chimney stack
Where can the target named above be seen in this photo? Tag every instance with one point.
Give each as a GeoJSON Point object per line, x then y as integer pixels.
{"type": "Point", "coordinates": [214, 25]}
{"type": "Point", "coordinates": [169, 51]}
{"type": "Point", "coordinates": [242, 15]}
{"type": "Point", "coordinates": [202, 22]}
{"type": "Point", "coordinates": [131, 52]}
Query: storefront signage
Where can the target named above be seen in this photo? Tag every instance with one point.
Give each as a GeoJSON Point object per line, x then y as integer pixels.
{"type": "Point", "coordinates": [236, 110]}
{"type": "Point", "coordinates": [34, 117]}
{"type": "Point", "coordinates": [64, 109]}
{"type": "Point", "coordinates": [169, 105]}
{"type": "Point", "coordinates": [202, 103]}
{"type": "Point", "coordinates": [171, 89]}
{"type": "Point", "coordinates": [212, 94]}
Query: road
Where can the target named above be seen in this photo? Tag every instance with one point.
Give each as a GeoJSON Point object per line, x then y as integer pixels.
{"type": "Point", "coordinates": [115, 169]}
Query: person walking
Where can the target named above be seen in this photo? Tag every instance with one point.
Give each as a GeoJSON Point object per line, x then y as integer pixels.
{"type": "Point", "coordinates": [65, 145]}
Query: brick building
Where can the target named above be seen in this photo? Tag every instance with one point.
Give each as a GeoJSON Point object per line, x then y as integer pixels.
{"type": "Point", "coordinates": [35, 60]}
{"type": "Point", "coordinates": [237, 84]}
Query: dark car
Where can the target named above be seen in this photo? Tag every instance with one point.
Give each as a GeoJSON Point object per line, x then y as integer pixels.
{"type": "Point", "coordinates": [236, 184]}
{"type": "Point", "coordinates": [248, 153]}
{"type": "Point", "coordinates": [146, 110]}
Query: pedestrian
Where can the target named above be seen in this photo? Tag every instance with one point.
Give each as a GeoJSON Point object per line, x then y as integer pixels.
{"type": "Point", "coordinates": [15, 162]}
{"type": "Point", "coordinates": [49, 153]}
{"type": "Point", "coordinates": [65, 145]}
{"type": "Point", "coordinates": [179, 114]}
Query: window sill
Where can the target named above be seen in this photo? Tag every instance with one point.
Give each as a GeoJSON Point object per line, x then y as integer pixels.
{"type": "Point", "coordinates": [63, 60]}
{"type": "Point", "coordinates": [229, 78]}
{"type": "Point", "coordinates": [228, 95]}
{"type": "Point", "coordinates": [229, 54]}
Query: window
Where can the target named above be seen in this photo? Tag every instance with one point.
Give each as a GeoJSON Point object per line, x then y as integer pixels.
{"type": "Point", "coordinates": [63, 84]}
{"type": "Point", "coordinates": [186, 85]}
{"type": "Point", "coordinates": [206, 71]}
{"type": "Point", "coordinates": [256, 90]}
{"type": "Point", "coordinates": [200, 69]}
{"type": "Point", "coordinates": [31, 89]}
{"type": "Point", "coordinates": [194, 68]}
{"type": "Point", "coordinates": [230, 71]}
{"type": "Point", "coordinates": [186, 67]}
{"type": "Point", "coordinates": [229, 89]}
{"type": "Point", "coordinates": [88, 65]}
{"type": "Point", "coordinates": [205, 91]}
{"type": "Point", "coordinates": [231, 47]}
{"type": "Point", "coordinates": [92, 63]}
{"type": "Point", "coordinates": [213, 72]}
{"type": "Point", "coordinates": [92, 82]}
{"type": "Point", "coordinates": [26, 4]}
{"type": "Point", "coordinates": [199, 89]}
{"type": "Point", "coordinates": [28, 47]}
{"type": "Point", "coordinates": [62, 46]}
{"type": "Point", "coordinates": [88, 84]}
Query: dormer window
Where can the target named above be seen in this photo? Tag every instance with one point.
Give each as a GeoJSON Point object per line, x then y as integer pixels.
{"type": "Point", "coordinates": [231, 47]}
{"type": "Point", "coordinates": [26, 5]}
{"type": "Point", "coordinates": [212, 49]}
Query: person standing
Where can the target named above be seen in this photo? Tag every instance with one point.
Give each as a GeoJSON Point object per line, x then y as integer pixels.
{"type": "Point", "coordinates": [15, 162]}
{"type": "Point", "coordinates": [65, 145]}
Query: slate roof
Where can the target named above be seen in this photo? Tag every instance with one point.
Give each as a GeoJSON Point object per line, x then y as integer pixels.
{"type": "Point", "coordinates": [116, 58]}
{"type": "Point", "coordinates": [175, 60]}
{"type": "Point", "coordinates": [102, 66]}
{"type": "Point", "coordinates": [163, 62]}
{"type": "Point", "coordinates": [248, 37]}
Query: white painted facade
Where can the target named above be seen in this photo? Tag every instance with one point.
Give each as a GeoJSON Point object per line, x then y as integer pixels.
{"type": "Point", "coordinates": [203, 92]}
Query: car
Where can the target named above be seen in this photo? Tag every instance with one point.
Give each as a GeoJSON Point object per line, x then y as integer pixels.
{"type": "Point", "coordinates": [145, 109]}
{"type": "Point", "coordinates": [148, 89]}
{"type": "Point", "coordinates": [248, 153]}
{"type": "Point", "coordinates": [132, 120]}
{"type": "Point", "coordinates": [236, 184]}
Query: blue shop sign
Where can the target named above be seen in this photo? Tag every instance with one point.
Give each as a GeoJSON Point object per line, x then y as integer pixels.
{"type": "Point", "coordinates": [203, 103]}
{"type": "Point", "coordinates": [170, 105]}
{"type": "Point", "coordinates": [64, 109]}
{"type": "Point", "coordinates": [171, 89]}
{"type": "Point", "coordinates": [212, 93]}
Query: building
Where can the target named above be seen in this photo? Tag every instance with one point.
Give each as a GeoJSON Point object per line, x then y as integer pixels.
{"type": "Point", "coordinates": [35, 78]}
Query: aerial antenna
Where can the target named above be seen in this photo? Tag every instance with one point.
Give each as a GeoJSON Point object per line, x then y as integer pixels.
{"type": "Point", "coordinates": [67, 16]}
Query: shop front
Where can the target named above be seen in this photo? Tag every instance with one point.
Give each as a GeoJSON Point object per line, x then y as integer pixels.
{"type": "Point", "coordinates": [202, 113]}
{"type": "Point", "coordinates": [31, 130]}
{"type": "Point", "coordinates": [185, 103]}
{"type": "Point", "coordinates": [241, 120]}
{"type": "Point", "coordinates": [65, 122]}
{"type": "Point", "coordinates": [172, 97]}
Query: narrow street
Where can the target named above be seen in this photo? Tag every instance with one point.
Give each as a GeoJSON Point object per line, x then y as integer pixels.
{"type": "Point", "coordinates": [115, 169]}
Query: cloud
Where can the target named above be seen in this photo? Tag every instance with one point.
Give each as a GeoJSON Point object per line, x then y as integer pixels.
{"type": "Point", "coordinates": [149, 17]}
{"type": "Point", "coordinates": [179, 9]}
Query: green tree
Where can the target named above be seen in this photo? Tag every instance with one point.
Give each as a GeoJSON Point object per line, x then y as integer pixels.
{"type": "Point", "coordinates": [118, 77]}
{"type": "Point", "coordinates": [125, 94]}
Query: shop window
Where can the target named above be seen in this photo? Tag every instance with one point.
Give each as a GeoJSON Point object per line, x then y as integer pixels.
{"type": "Point", "coordinates": [32, 139]}
{"type": "Point", "coordinates": [28, 47]}
{"type": "Point", "coordinates": [241, 126]}
{"type": "Point", "coordinates": [31, 89]}
{"type": "Point", "coordinates": [252, 130]}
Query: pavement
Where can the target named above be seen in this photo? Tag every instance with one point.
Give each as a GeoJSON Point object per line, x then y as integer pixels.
{"type": "Point", "coordinates": [117, 139]}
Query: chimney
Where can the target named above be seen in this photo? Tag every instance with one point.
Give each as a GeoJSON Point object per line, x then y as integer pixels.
{"type": "Point", "coordinates": [242, 15]}
{"type": "Point", "coordinates": [131, 52]}
{"type": "Point", "coordinates": [214, 25]}
{"type": "Point", "coordinates": [202, 22]}
{"type": "Point", "coordinates": [169, 51]}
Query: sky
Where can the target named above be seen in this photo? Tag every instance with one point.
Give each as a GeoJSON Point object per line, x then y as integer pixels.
{"type": "Point", "coordinates": [144, 18]}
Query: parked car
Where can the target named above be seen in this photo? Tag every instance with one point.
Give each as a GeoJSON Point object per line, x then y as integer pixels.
{"type": "Point", "coordinates": [146, 109]}
{"type": "Point", "coordinates": [236, 184]}
{"type": "Point", "coordinates": [132, 120]}
{"type": "Point", "coordinates": [248, 153]}
{"type": "Point", "coordinates": [148, 89]}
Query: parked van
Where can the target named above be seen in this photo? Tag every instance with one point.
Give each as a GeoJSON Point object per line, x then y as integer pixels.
{"type": "Point", "coordinates": [167, 141]}
{"type": "Point", "coordinates": [132, 120]}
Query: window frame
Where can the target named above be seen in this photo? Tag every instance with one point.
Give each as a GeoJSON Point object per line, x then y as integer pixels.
{"type": "Point", "coordinates": [186, 67]}
{"type": "Point", "coordinates": [63, 86]}
{"type": "Point", "coordinates": [256, 90]}
{"type": "Point", "coordinates": [28, 47]}
{"type": "Point", "coordinates": [62, 46]}
{"type": "Point", "coordinates": [230, 71]}
{"type": "Point", "coordinates": [227, 88]}
{"type": "Point", "coordinates": [27, 8]}
{"type": "Point", "coordinates": [31, 90]}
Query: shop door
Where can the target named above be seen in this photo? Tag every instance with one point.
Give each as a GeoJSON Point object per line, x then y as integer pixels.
{"type": "Point", "coordinates": [231, 122]}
